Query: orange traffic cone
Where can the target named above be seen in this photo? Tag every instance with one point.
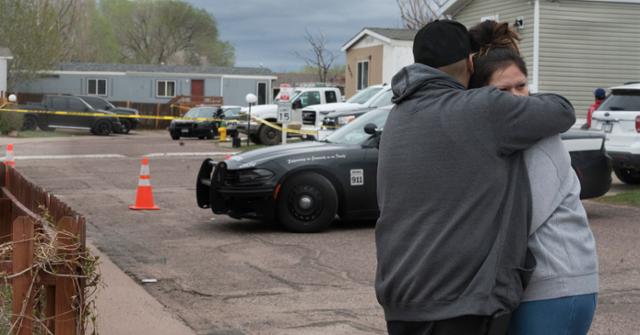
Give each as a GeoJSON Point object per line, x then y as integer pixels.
{"type": "Point", "coordinates": [144, 194]}
{"type": "Point", "coordinates": [8, 157]}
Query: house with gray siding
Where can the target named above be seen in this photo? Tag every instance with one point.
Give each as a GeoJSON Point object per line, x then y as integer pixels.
{"type": "Point", "coordinates": [154, 83]}
{"type": "Point", "coordinates": [5, 56]}
{"type": "Point", "coordinates": [571, 46]}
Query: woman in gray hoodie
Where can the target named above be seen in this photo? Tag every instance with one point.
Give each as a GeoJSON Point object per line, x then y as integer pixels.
{"type": "Point", "coordinates": [561, 296]}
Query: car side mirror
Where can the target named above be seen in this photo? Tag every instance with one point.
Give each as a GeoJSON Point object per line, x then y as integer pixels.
{"type": "Point", "coordinates": [375, 132]}
{"type": "Point", "coordinates": [296, 104]}
{"type": "Point", "coordinates": [371, 129]}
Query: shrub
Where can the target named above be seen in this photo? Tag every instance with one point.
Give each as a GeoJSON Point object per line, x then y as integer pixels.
{"type": "Point", "coordinates": [10, 122]}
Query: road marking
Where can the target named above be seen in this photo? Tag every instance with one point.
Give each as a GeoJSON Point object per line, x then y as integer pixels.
{"type": "Point", "coordinates": [43, 157]}
{"type": "Point", "coordinates": [183, 154]}
{"type": "Point", "coordinates": [106, 156]}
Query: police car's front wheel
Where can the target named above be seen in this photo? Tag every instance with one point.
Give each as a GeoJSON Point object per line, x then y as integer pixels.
{"type": "Point", "coordinates": [308, 203]}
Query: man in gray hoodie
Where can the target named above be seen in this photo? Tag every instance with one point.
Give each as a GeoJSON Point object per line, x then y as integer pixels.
{"type": "Point", "coordinates": [453, 191]}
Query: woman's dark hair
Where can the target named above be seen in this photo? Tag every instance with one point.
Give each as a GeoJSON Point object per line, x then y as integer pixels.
{"type": "Point", "coordinates": [498, 49]}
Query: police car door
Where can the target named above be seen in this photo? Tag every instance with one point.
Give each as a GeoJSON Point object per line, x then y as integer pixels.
{"type": "Point", "coordinates": [370, 177]}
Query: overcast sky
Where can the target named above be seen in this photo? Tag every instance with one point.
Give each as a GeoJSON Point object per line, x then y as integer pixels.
{"type": "Point", "coordinates": [266, 32]}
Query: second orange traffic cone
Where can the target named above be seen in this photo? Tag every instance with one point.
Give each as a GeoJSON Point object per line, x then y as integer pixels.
{"type": "Point", "coordinates": [144, 193]}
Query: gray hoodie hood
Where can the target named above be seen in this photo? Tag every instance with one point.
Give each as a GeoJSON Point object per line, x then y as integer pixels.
{"type": "Point", "coordinates": [411, 79]}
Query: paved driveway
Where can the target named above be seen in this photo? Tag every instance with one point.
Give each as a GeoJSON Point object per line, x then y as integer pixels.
{"type": "Point", "coordinates": [224, 276]}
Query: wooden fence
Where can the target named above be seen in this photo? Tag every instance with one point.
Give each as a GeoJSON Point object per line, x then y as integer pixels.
{"type": "Point", "coordinates": [26, 215]}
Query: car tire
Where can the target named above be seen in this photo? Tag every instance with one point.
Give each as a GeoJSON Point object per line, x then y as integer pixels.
{"type": "Point", "coordinates": [102, 128]}
{"type": "Point", "coordinates": [628, 176]}
{"type": "Point", "coordinates": [210, 135]}
{"type": "Point", "coordinates": [268, 135]}
{"type": "Point", "coordinates": [126, 126]}
{"type": "Point", "coordinates": [29, 123]}
{"type": "Point", "coordinates": [308, 203]}
{"type": "Point", "coordinates": [174, 135]}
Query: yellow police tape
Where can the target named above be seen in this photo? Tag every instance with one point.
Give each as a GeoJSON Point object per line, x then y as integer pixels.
{"type": "Point", "coordinates": [150, 117]}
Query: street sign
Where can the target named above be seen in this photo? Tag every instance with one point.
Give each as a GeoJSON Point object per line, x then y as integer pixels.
{"type": "Point", "coordinates": [284, 112]}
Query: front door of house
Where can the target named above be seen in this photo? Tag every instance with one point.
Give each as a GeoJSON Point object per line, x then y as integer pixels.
{"type": "Point", "coordinates": [197, 89]}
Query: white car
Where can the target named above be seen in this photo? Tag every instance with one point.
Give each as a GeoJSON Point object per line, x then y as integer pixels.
{"type": "Point", "coordinates": [373, 97]}
{"type": "Point", "coordinates": [619, 118]}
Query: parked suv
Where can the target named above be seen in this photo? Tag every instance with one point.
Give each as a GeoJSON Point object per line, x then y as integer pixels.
{"type": "Point", "coordinates": [619, 118]}
{"type": "Point", "coordinates": [98, 125]}
{"type": "Point", "coordinates": [101, 103]}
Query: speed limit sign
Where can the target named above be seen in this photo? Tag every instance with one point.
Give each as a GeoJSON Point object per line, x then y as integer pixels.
{"type": "Point", "coordinates": [284, 112]}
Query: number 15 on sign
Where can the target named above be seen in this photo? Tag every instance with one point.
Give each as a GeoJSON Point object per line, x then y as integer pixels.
{"type": "Point", "coordinates": [284, 117]}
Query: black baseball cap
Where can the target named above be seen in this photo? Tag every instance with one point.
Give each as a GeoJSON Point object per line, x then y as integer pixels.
{"type": "Point", "coordinates": [442, 42]}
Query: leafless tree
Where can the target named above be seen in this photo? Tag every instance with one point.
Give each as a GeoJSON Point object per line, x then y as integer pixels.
{"type": "Point", "coordinates": [319, 56]}
{"type": "Point", "coordinates": [416, 13]}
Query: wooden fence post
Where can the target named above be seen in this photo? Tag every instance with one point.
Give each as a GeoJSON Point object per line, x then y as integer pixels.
{"type": "Point", "coordinates": [50, 308]}
{"type": "Point", "coordinates": [66, 290]}
{"type": "Point", "coordinates": [22, 260]}
{"type": "Point", "coordinates": [5, 220]}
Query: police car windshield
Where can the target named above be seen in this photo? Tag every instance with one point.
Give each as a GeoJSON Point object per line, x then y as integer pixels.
{"type": "Point", "coordinates": [353, 133]}
{"type": "Point", "coordinates": [200, 112]}
{"type": "Point", "coordinates": [364, 95]}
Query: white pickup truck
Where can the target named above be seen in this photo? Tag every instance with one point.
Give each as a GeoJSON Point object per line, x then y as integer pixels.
{"type": "Point", "coordinates": [301, 98]}
{"type": "Point", "coordinates": [366, 99]}
{"type": "Point", "coordinates": [619, 118]}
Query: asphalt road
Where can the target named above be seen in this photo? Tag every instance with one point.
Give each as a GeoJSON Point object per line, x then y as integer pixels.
{"type": "Point", "coordinates": [225, 276]}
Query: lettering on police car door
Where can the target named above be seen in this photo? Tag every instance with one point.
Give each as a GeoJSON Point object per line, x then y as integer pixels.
{"type": "Point", "coordinates": [357, 177]}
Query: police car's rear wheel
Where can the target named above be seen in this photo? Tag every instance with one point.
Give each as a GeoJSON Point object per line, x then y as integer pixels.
{"type": "Point", "coordinates": [308, 203]}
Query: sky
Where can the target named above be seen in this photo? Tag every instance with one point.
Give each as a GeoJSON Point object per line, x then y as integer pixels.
{"type": "Point", "coordinates": [267, 32]}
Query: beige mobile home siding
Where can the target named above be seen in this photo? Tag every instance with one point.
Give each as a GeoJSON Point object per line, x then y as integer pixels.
{"type": "Point", "coordinates": [507, 11]}
{"type": "Point", "coordinates": [354, 55]}
{"type": "Point", "coordinates": [585, 45]}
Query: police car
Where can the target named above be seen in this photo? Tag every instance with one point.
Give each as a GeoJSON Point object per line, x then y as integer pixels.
{"type": "Point", "coordinates": [305, 185]}
{"type": "Point", "coordinates": [301, 185]}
